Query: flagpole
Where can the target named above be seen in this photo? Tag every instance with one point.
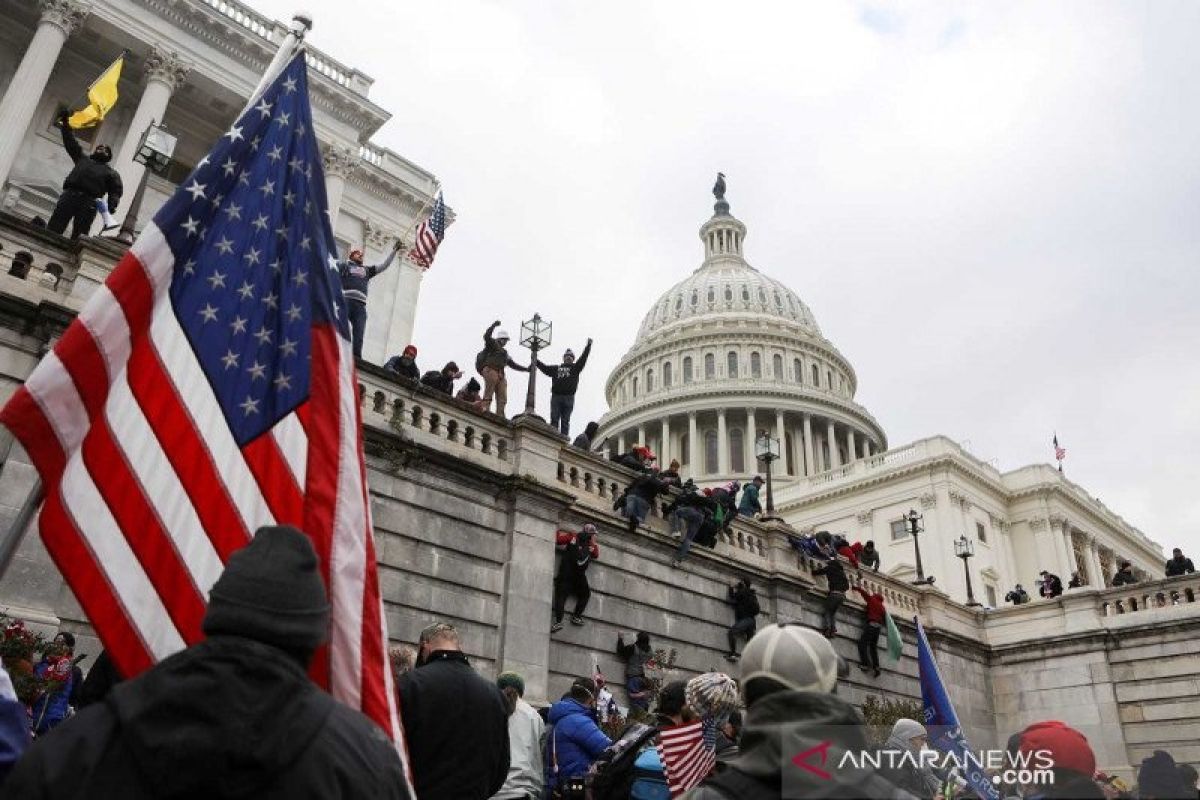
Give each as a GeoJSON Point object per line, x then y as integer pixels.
{"type": "Point", "coordinates": [301, 24]}
{"type": "Point", "coordinates": [417, 219]}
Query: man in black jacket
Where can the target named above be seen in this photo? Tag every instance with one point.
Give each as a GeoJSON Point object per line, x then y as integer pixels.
{"type": "Point", "coordinates": [578, 550]}
{"type": "Point", "coordinates": [1179, 564]}
{"type": "Point", "coordinates": [1051, 585]}
{"type": "Point", "coordinates": [456, 721]}
{"type": "Point", "coordinates": [838, 586]}
{"type": "Point", "coordinates": [442, 381]}
{"type": "Point", "coordinates": [564, 382]}
{"type": "Point", "coordinates": [90, 179]}
{"type": "Point", "coordinates": [356, 278]}
{"type": "Point", "coordinates": [405, 364]}
{"type": "Point", "coordinates": [640, 498]}
{"type": "Point", "coordinates": [745, 614]}
{"type": "Point", "coordinates": [1124, 576]}
{"type": "Point", "coordinates": [233, 716]}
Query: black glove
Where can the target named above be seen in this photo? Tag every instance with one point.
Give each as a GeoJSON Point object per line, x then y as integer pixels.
{"type": "Point", "coordinates": [112, 205]}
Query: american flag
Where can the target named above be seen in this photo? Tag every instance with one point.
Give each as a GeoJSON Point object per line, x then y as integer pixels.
{"type": "Point", "coordinates": [429, 235]}
{"type": "Point", "coordinates": [1059, 452]}
{"type": "Point", "coordinates": [205, 390]}
{"type": "Point", "coordinates": [688, 753]}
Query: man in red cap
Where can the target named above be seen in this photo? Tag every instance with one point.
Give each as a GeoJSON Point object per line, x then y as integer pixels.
{"type": "Point", "coordinates": [405, 364]}
{"type": "Point", "coordinates": [1072, 761]}
{"type": "Point", "coordinates": [355, 277]}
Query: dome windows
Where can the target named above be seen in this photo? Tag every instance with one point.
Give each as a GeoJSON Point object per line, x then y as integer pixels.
{"type": "Point", "coordinates": [728, 293]}
{"type": "Point", "coordinates": [678, 303]}
{"type": "Point", "coordinates": [649, 381]}
{"type": "Point", "coordinates": [710, 366]}
{"type": "Point", "coordinates": [695, 297]}
{"type": "Point", "coordinates": [710, 452]}
{"type": "Point", "coordinates": [762, 295]}
{"type": "Point", "coordinates": [712, 295]}
{"type": "Point", "coordinates": [737, 450]}
{"type": "Point", "coordinates": [755, 367]}
{"type": "Point", "coordinates": [777, 367]}
{"type": "Point", "coordinates": [816, 375]}
{"type": "Point", "coordinates": [666, 373]}
{"type": "Point", "coordinates": [745, 294]}
{"type": "Point", "coordinates": [731, 364]}
{"type": "Point", "coordinates": [687, 369]}
{"type": "Point", "coordinates": [635, 385]}
{"type": "Point", "coordinates": [797, 371]}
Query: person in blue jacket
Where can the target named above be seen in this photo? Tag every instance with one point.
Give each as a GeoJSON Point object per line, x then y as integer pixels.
{"type": "Point", "coordinates": [14, 726]}
{"type": "Point", "coordinates": [575, 739]}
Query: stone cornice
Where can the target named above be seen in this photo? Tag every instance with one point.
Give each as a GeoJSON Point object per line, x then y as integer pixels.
{"type": "Point", "coordinates": [1099, 517]}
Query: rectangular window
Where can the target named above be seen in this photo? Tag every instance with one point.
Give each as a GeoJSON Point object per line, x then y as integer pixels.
{"type": "Point", "coordinates": [991, 595]}
{"type": "Point", "coordinates": [981, 531]}
{"type": "Point", "coordinates": [899, 530]}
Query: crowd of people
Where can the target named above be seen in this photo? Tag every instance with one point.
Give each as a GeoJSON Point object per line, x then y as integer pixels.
{"type": "Point", "coordinates": [1050, 586]}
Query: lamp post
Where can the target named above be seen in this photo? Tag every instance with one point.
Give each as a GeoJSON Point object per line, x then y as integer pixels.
{"type": "Point", "coordinates": [535, 334]}
{"type": "Point", "coordinates": [964, 548]}
{"type": "Point", "coordinates": [154, 151]}
{"type": "Point", "coordinates": [766, 447]}
{"type": "Point", "coordinates": [913, 521]}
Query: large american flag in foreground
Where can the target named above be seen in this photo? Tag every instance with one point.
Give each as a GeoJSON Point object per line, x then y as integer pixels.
{"type": "Point", "coordinates": [688, 753]}
{"type": "Point", "coordinates": [208, 389]}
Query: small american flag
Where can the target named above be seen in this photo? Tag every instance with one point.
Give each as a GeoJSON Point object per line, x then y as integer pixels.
{"type": "Point", "coordinates": [208, 389]}
{"type": "Point", "coordinates": [1059, 452]}
{"type": "Point", "coordinates": [429, 235]}
{"type": "Point", "coordinates": [688, 754]}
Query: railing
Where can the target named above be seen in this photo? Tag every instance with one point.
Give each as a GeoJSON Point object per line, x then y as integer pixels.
{"type": "Point", "coordinates": [54, 263]}
{"type": "Point", "coordinates": [248, 19]}
{"type": "Point", "coordinates": [371, 155]}
{"type": "Point", "coordinates": [1150, 595]}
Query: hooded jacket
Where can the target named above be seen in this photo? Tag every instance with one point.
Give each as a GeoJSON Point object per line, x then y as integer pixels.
{"type": "Point", "coordinates": [494, 355]}
{"type": "Point", "coordinates": [228, 717]}
{"type": "Point", "coordinates": [404, 366]}
{"type": "Point", "coordinates": [564, 377]}
{"type": "Point", "coordinates": [875, 610]}
{"type": "Point", "coordinates": [1179, 566]}
{"type": "Point", "coordinates": [575, 740]}
{"type": "Point", "coordinates": [574, 560]}
{"type": "Point", "coordinates": [635, 657]}
{"type": "Point", "coordinates": [89, 176]}
{"type": "Point", "coordinates": [903, 770]}
{"type": "Point", "coordinates": [835, 574]}
{"type": "Point", "coordinates": [785, 724]}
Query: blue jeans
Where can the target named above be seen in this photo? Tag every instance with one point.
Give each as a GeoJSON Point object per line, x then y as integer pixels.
{"type": "Point", "coordinates": [357, 312]}
{"type": "Point", "coordinates": [561, 406]}
{"type": "Point", "coordinates": [635, 685]}
{"type": "Point", "coordinates": [691, 518]}
{"type": "Point", "coordinates": [636, 508]}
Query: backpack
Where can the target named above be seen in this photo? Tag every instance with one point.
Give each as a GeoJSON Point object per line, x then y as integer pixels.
{"type": "Point", "coordinates": [479, 360]}
{"type": "Point", "coordinates": [611, 775]}
{"type": "Point", "coordinates": [431, 377]}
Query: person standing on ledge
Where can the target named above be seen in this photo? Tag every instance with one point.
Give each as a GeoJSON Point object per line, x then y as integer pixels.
{"type": "Point", "coordinates": [89, 180]}
{"type": "Point", "coordinates": [355, 277]}
{"type": "Point", "coordinates": [490, 362]}
{"type": "Point", "coordinates": [564, 381]}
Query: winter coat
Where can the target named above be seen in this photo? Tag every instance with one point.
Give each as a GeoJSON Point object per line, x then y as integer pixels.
{"type": "Point", "coordinates": [449, 709]}
{"type": "Point", "coordinates": [14, 734]}
{"type": "Point", "coordinates": [574, 741]}
{"type": "Point", "coordinates": [564, 378]}
{"type": "Point", "coordinates": [1124, 577]}
{"type": "Point", "coordinates": [847, 552]}
{"type": "Point", "coordinates": [648, 487]}
{"type": "Point", "coordinates": [100, 680]}
{"type": "Point", "coordinates": [903, 771]}
{"type": "Point", "coordinates": [631, 461]}
{"type": "Point", "coordinates": [635, 658]}
{"type": "Point", "coordinates": [438, 381]}
{"type": "Point", "coordinates": [869, 558]}
{"type": "Point", "coordinates": [575, 560]}
{"type": "Point", "coordinates": [53, 707]}
{"type": "Point", "coordinates": [836, 576]}
{"type": "Point", "coordinates": [1179, 566]}
{"type": "Point", "coordinates": [745, 602]}
{"type": "Point", "coordinates": [1051, 586]}
{"type": "Point", "coordinates": [404, 366]}
{"type": "Point", "coordinates": [803, 722]}
{"type": "Point", "coordinates": [584, 441]}
{"type": "Point", "coordinates": [356, 277]}
{"type": "Point", "coordinates": [527, 738]}
{"type": "Point", "coordinates": [494, 355]}
{"type": "Point", "coordinates": [89, 176]}
{"type": "Point", "coordinates": [875, 610]}
{"type": "Point", "coordinates": [227, 717]}
{"type": "Point", "coordinates": [750, 503]}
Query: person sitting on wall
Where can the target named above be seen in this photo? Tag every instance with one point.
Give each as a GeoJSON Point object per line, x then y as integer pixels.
{"type": "Point", "coordinates": [405, 364]}
{"type": "Point", "coordinates": [1050, 586]}
{"type": "Point", "coordinates": [442, 381]}
{"type": "Point", "coordinates": [1017, 596]}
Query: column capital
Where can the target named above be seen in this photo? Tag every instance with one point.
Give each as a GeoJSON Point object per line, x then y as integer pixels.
{"type": "Point", "coordinates": [378, 236]}
{"type": "Point", "coordinates": [341, 162]}
{"type": "Point", "coordinates": [1038, 524]}
{"type": "Point", "coordinates": [691, 415]}
{"type": "Point", "coordinates": [165, 66]}
{"type": "Point", "coordinates": [1058, 520]}
{"type": "Point", "coordinates": [928, 500]}
{"type": "Point", "coordinates": [67, 15]}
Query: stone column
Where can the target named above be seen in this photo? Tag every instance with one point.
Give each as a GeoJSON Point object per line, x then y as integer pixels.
{"type": "Point", "coordinates": [798, 445]}
{"type": "Point", "coordinates": [810, 466]}
{"type": "Point", "coordinates": [1096, 577]}
{"type": "Point", "coordinates": [866, 447]}
{"type": "Point", "coordinates": [1069, 543]}
{"type": "Point", "coordinates": [781, 433]}
{"type": "Point", "coordinates": [850, 449]}
{"type": "Point", "coordinates": [750, 460]}
{"type": "Point", "coordinates": [694, 464]}
{"type": "Point", "coordinates": [60, 18]}
{"type": "Point", "coordinates": [1058, 523]}
{"type": "Point", "coordinates": [664, 444]}
{"type": "Point", "coordinates": [835, 459]}
{"type": "Point", "coordinates": [401, 318]}
{"type": "Point", "coordinates": [641, 435]}
{"type": "Point", "coordinates": [340, 163]}
{"type": "Point", "coordinates": [722, 444]}
{"type": "Point", "coordinates": [165, 72]}
{"type": "Point", "coordinates": [621, 444]}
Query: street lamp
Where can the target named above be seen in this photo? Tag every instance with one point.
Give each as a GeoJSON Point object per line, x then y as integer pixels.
{"type": "Point", "coordinates": [154, 151]}
{"type": "Point", "coordinates": [913, 522]}
{"type": "Point", "coordinates": [535, 334]}
{"type": "Point", "coordinates": [766, 447]}
{"type": "Point", "coordinates": [964, 548]}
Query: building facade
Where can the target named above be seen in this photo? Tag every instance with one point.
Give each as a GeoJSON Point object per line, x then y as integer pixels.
{"type": "Point", "coordinates": [729, 354]}
{"type": "Point", "coordinates": [191, 66]}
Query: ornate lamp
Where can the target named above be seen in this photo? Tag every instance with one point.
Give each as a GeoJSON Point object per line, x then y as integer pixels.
{"type": "Point", "coordinates": [535, 334]}
{"type": "Point", "coordinates": [964, 548]}
{"type": "Point", "coordinates": [913, 522]}
{"type": "Point", "coordinates": [154, 151]}
{"type": "Point", "coordinates": [766, 448]}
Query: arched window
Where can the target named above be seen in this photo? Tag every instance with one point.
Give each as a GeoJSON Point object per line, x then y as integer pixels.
{"type": "Point", "coordinates": [762, 295]}
{"type": "Point", "coordinates": [778, 302]}
{"type": "Point", "coordinates": [737, 450]}
{"type": "Point", "coordinates": [685, 450]}
{"type": "Point", "coordinates": [679, 302]}
{"type": "Point", "coordinates": [745, 295]}
{"type": "Point", "coordinates": [797, 371]}
{"type": "Point", "coordinates": [816, 375]}
{"type": "Point", "coordinates": [731, 365]}
{"type": "Point", "coordinates": [755, 365]}
{"type": "Point", "coordinates": [728, 293]}
{"type": "Point", "coordinates": [635, 385]}
{"type": "Point", "coordinates": [712, 295]}
{"type": "Point", "coordinates": [710, 366]}
{"type": "Point", "coordinates": [695, 297]}
{"type": "Point", "coordinates": [790, 449]}
{"type": "Point", "coordinates": [710, 453]}
{"type": "Point", "coordinates": [828, 380]}
{"type": "Point", "coordinates": [649, 381]}
{"type": "Point", "coordinates": [777, 367]}
{"type": "Point", "coordinates": [687, 369]}
{"type": "Point", "coordinates": [667, 375]}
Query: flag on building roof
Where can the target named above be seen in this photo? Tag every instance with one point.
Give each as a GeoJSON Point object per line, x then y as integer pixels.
{"type": "Point", "coordinates": [429, 235]}
{"type": "Point", "coordinates": [1059, 453]}
{"type": "Point", "coordinates": [208, 389]}
{"type": "Point", "coordinates": [688, 753]}
{"type": "Point", "coordinates": [101, 96]}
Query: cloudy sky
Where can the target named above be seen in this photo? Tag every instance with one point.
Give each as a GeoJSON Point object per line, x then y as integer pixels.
{"type": "Point", "coordinates": [992, 209]}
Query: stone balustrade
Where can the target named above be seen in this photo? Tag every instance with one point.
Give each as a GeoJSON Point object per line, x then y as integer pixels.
{"type": "Point", "coordinates": [1150, 596]}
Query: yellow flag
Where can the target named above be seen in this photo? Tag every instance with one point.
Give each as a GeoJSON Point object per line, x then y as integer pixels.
{"type": "Point", "coordinates": [101, 95]}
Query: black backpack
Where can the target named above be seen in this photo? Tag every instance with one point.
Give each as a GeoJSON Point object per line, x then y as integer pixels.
{"type": "Point", "coordinates": [479, 360]}
{"type": "Point", "coordinates": [611, 775]}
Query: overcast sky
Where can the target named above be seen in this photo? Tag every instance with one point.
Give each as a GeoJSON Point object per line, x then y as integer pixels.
{"type": "Point", "coordinates": [992, 209]}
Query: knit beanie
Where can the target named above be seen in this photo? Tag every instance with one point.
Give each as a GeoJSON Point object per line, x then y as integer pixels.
{"type": "Point", "coordinates": [906, 729]}
{"type": "Point", "coordinates": [507, 679]}
{"type": "Point", "coordinates": [271, 591]}
{"type": "Point", "coordinates": [713, 694]}
{"type": "Point", "coordinates": [1068, 748]}
{"type": "Point", "coordinates": [1159, 777]}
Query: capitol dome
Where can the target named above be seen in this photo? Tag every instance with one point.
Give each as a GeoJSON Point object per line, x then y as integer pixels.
{"type": "Point", "coordinates": [727, 355]}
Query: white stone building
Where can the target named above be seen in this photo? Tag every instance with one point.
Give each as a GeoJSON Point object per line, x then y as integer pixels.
{"type": "Point", "coordinates": [191, 66]}
{"type": "Point", "coordinates": [729, 353]}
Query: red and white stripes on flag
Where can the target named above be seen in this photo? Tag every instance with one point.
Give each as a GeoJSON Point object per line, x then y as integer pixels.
{"type": "Point", "coordinates": [429, 235]}
{"type": "Point", "coordinates": [686, 755]}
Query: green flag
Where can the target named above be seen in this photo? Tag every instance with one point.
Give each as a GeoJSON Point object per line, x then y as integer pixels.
{"type": "Point", "coordinates": [895, 643]}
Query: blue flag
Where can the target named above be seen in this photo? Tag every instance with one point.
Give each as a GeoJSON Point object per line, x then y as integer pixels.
{"type": "Point", "coordinates": [945, 733]}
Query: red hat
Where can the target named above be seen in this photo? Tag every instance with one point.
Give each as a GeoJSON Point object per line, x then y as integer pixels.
{"type": "Point", "coordinates": [410, 351]}
{"type": "Point", "coordinates": [1068, 748]}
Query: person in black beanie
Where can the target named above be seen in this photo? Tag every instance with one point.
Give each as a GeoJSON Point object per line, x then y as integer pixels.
{"type": "Point", "coordinates": [232, 716]}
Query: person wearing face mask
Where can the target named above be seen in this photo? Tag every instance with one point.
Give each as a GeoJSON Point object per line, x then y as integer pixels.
{"type": "Point", "coordinates": [575, 740]}
{"type": "Point", "coordinates": [88, 181]}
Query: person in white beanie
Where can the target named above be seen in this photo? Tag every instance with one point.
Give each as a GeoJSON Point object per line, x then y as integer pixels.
{"type": "Point", "coordinates": [901, 765]}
